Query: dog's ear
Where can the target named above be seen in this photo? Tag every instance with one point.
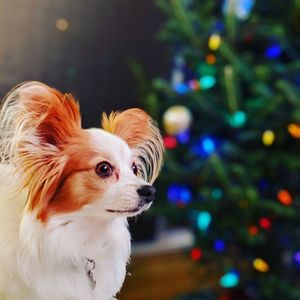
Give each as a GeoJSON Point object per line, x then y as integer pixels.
{"type": "Point", "coordinates": [53, 115]}
{"type": "Point", "coordinates": [138, 130]}
{"type": "Point", "coordinates": [38, 121]}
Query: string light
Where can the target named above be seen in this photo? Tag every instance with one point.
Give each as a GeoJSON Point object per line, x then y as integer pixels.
{"type": "Point", "coordinates": [219, 246]}
{"type": "Point", "coordinates": [260, 265]}
{"type": "Point", "coordinates": [229, 280]}
{"type": "Point", "coordinates": [183, 137]}
{"type": "Point", "coordinates": [170, 142]}
{"type": "Point", "coordinates": [297, 257]}
{"type": "Point", "coordinates": [284, 197]}
{"type": "Point", "coordinates": [253, 230]}
{"type": "Point", "coordinates": [265, 223]}
{"type": "Point", "coordinates": [263, 184]}
{"type": "Point", "coordinates": [243, 204]}
{"type": "Point", "coordinates": [179, 195]}
{"type": "Point", "coordinates": [217, 193]}
{"type": "Point", "coordinates": [238, 119]}
{"type": "Point", "coordinates": [181, 88]}
{"type": "Point", "coordinates": [196, 254]}
{"type": "Point", "coordinates": [241, 8]}
{"type": "Point", "coordinates": [224, 297]}
{"type": "Point", "coordinates": [273, 51]}
{"type": "Point", "coordinates": [62, 24]}
{"type": "Point", "coordinates": [287, 258]}
{"type": "Point", "coordinates": [206, 147]}
{"type": "Point", "coordinates": [194, 85]}
{"type": "Point", "coordinates": [211, 59]}
{"type": "Point", "coordinates": [218, 26]}
{"type": "Point", "coordinates": [268, 137]}
{"type": "Point", "coordinates": [214, 42]}
{"type": "Point", "coordinates": [203, 220]}
{"type": "Point", "coordinates": [294, 130]}
{"type": "Point", "coordinates": [207, 82]}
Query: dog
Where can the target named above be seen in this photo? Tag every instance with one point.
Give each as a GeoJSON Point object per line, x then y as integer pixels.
{"type": "Point", "coordinates": [66, 194]}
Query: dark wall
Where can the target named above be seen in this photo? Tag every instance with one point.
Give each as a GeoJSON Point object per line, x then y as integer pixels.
{"type": "Point", "coordinates": [88, 59]}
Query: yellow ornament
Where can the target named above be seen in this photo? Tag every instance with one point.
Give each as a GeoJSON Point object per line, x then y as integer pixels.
{"type": "Point", "coordinates": [214, 42]}
{"type": "Point", "coordinates": [268, 137]}
{"type": "Point", "coordinates": [176, 119]}
{"type": "Point", "coordinates": [260, 265]}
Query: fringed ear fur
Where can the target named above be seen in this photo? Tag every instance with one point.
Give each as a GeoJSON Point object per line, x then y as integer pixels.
{"type": "Point", "coordinates": [138, 130]}
{"type": "Point", "coordinates": [36, 121]}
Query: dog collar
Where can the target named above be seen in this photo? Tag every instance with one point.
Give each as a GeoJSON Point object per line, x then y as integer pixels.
{"type": "Point", "coordinates": [90, 266]}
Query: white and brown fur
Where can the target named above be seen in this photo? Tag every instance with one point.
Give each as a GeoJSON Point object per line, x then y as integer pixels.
{"type": "Point", "coordinates": [55, 210]}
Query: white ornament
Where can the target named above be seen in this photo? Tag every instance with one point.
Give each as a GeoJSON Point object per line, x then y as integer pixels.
{"type": "Point", "coordinates": [177, 119]}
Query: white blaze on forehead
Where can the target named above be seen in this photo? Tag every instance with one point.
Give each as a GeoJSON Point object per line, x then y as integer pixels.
{"type": "Point", "coordinates": [108, 143]}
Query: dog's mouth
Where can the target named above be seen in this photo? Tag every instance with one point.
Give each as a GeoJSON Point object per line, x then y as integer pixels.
{"type": "Point", "coordinates": [130, 211]}
{"type": "Point", "coordinates": [124, 211]}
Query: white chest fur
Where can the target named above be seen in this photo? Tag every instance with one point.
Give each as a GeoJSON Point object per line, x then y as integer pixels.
{"type": "Point", "coordinates": [46, 263]}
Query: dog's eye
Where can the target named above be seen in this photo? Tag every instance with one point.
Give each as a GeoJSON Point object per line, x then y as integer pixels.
{"type": "Point", "coordinates": [134, 169]}
{"type": "Point", "coordinates": [104, 169]}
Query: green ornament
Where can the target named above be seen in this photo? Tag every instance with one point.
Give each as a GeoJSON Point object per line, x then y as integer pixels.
{"type": "Point", "coordinates": [238, 119]}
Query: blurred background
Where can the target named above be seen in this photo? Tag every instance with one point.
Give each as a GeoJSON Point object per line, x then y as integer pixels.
{"type": "Point", "coordinates": [82, 47]}
{"type": "Point", "coordinates": [222, 80]}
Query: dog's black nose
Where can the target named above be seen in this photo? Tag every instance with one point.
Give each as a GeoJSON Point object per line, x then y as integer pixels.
{"type": "Point", "coordinates": [146, 192]}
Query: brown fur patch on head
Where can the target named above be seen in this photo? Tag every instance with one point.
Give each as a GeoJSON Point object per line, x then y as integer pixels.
{"type": "Point", "coordinates": [138, 130]}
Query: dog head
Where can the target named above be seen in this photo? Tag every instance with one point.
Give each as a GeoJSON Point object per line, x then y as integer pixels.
{"type": "Point", "coordinates": [66, 168]}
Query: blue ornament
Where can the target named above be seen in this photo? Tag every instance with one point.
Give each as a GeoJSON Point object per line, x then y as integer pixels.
{"type": "Point", "coordinates": [208, 145]}
{"type": "Point", "coordinates": [273, 51]}
{"type": "Point", "coordinates": [205, 147]}
{"type": "Point", "coordinates": [179, 194]}
{"type": "Point", "coordinates": [219, 246]}
{"type": "Point", "coordinates": [181, 88]}
{"type": "Point", "coordinates": [183, 137]}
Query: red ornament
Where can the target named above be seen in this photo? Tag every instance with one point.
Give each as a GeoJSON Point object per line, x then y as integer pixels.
{"type": "Point", "coordinates": [196, 254]}
{"type": "Point", "coordinates": [265, 223]}
{"type": "Point", "coordinates": [170, 142]}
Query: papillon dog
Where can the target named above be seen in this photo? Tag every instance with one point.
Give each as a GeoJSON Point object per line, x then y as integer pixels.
{"type": "Point", "coordinates": [66, 194]}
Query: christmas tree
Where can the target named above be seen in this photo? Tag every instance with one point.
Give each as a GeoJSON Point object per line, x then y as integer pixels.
{"type": "Point", "coordinates": [230, 114]}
